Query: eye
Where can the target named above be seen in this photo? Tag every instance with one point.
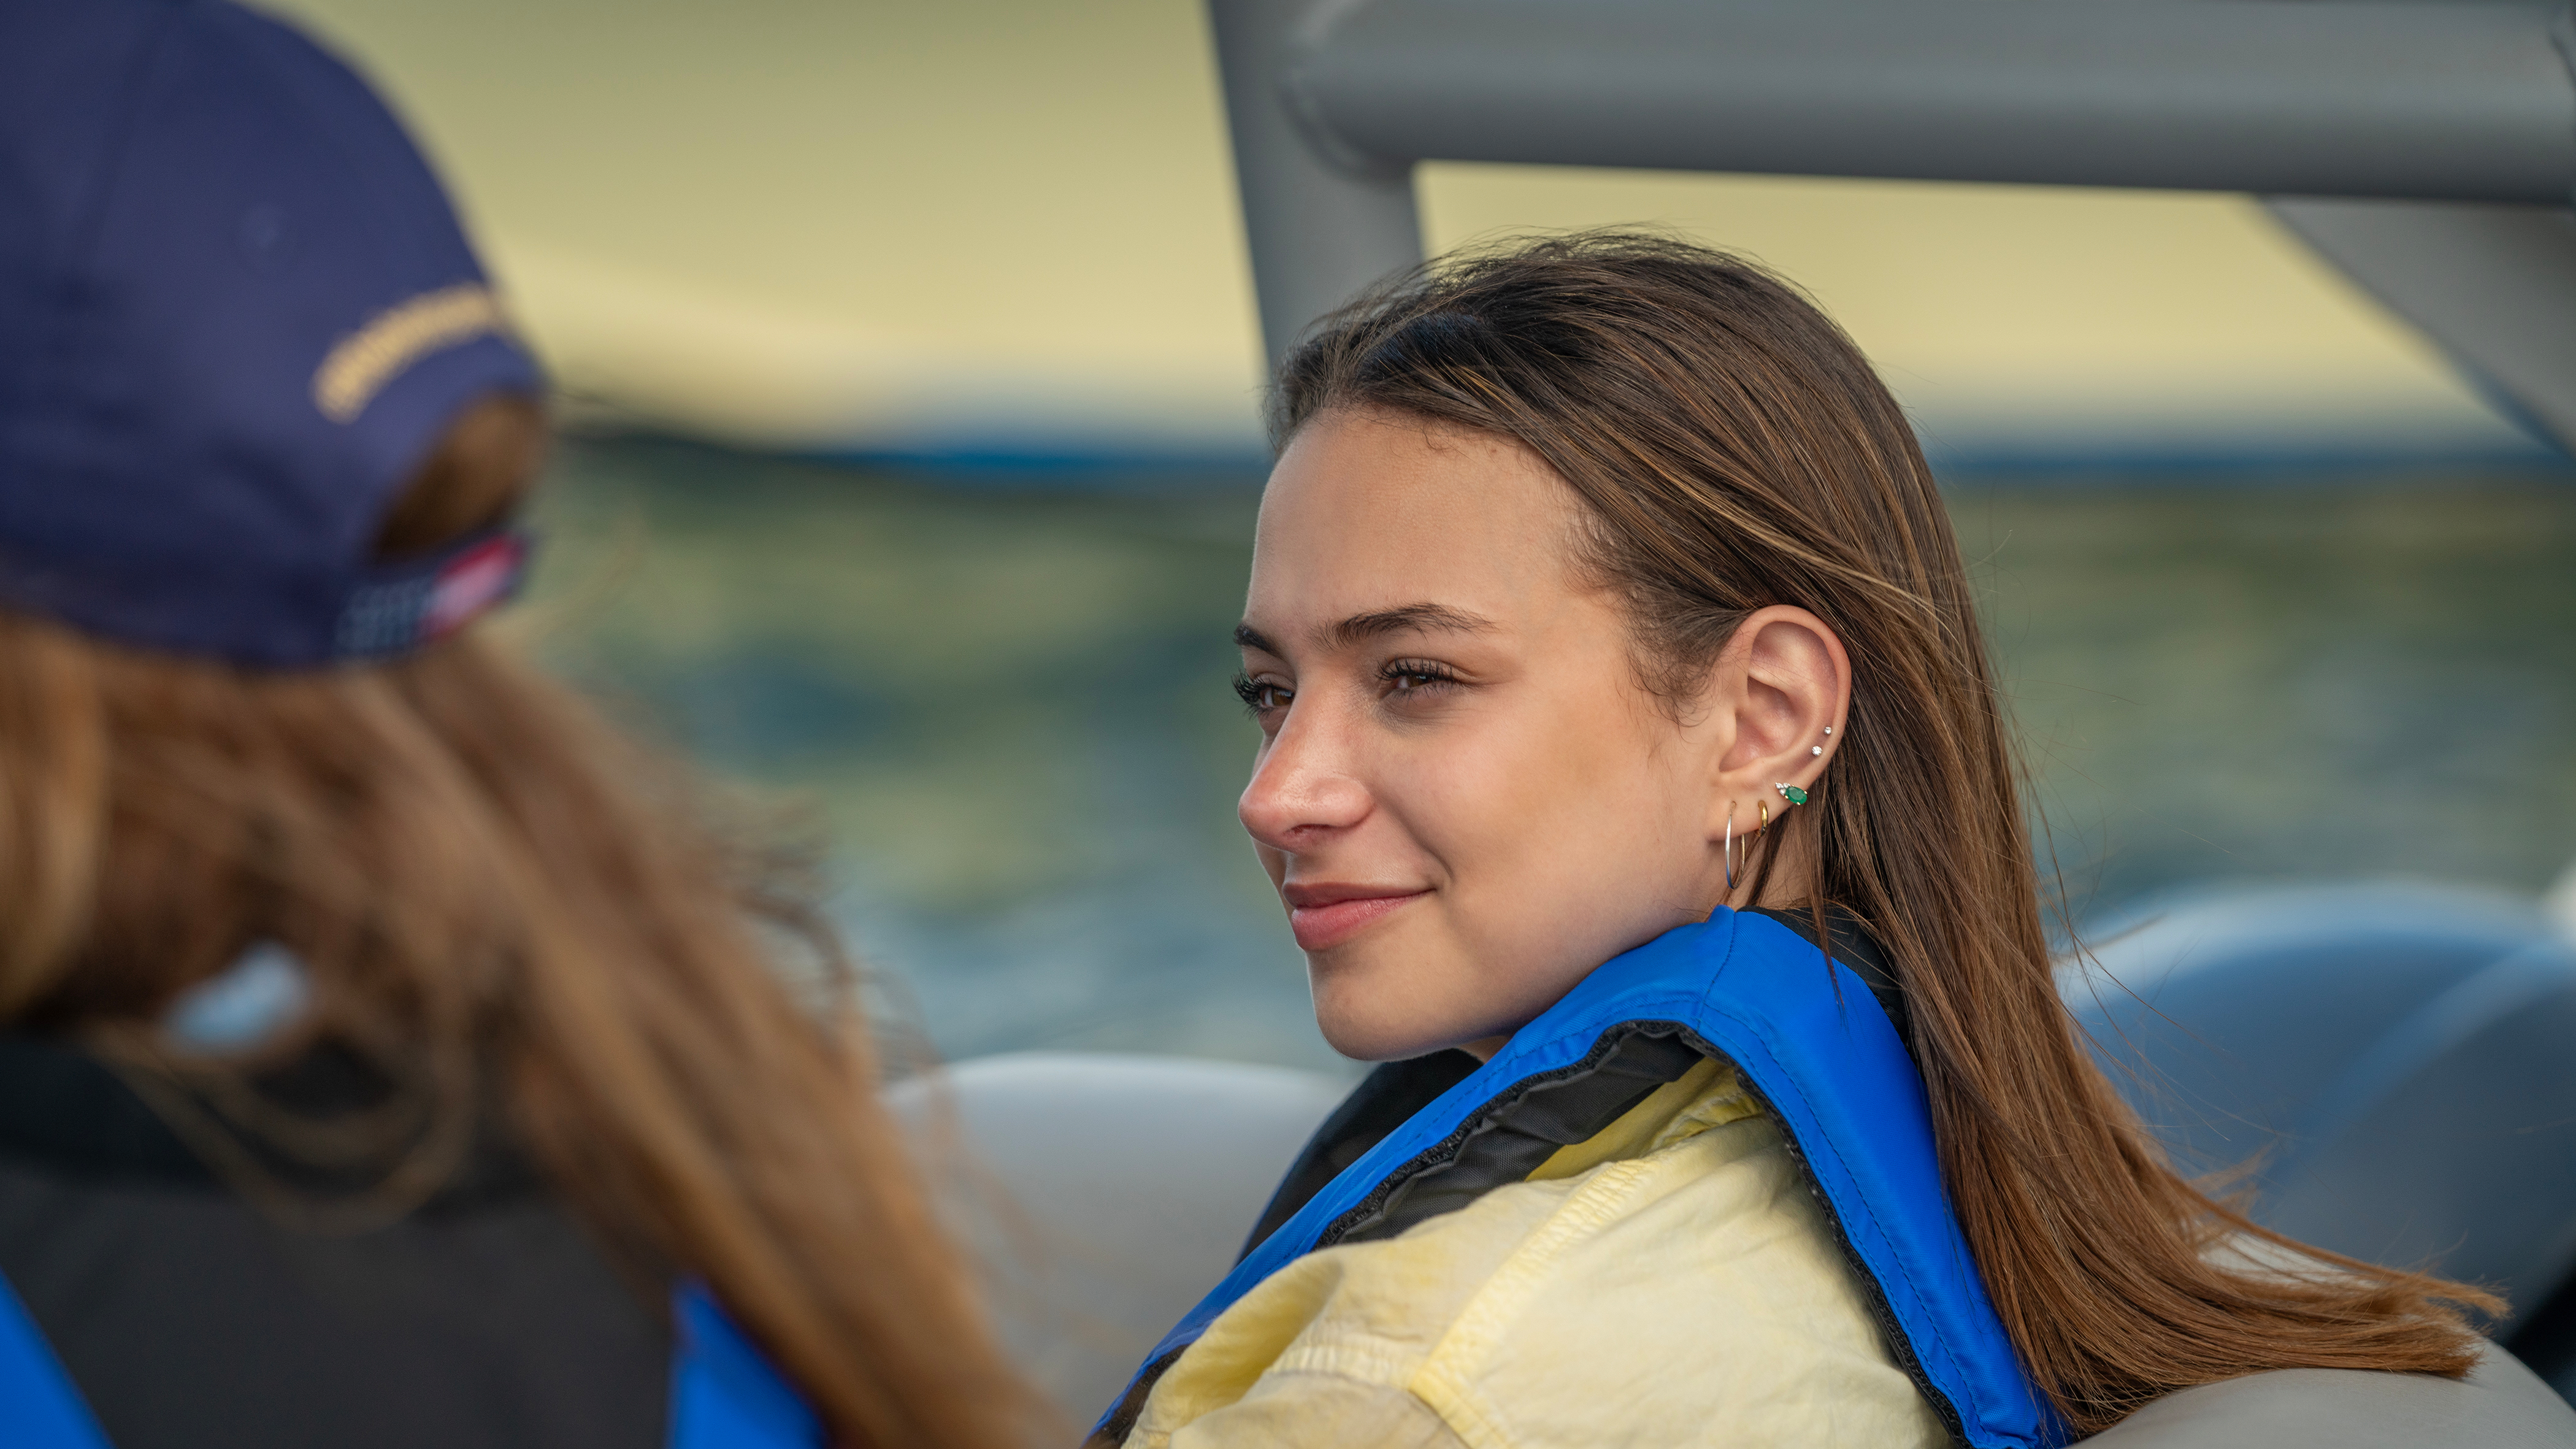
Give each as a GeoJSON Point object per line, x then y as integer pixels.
{"type": "Point", "coordinates": [1414, 677]}
{"type": "Point", "coordinates": [1262, 697]}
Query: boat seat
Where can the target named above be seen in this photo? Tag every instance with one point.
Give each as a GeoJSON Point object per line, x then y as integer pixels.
{"type": "Point", "coordinates": [1104, 1195]}
{"type": "Point", "coordinates": [2391, 1060]}
{"type": "Point", "coordinates": [2501, 1406]}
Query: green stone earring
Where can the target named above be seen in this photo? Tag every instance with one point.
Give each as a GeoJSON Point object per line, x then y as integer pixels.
{"type": "Point", "coordinates": [1791, 793]}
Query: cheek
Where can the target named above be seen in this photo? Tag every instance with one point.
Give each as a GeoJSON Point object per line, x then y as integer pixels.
{"type": "Point", "coordinates": [1566, 831]}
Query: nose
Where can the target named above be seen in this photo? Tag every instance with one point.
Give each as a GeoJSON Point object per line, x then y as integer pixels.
{"type": "Point", "coordinates": [1303, 788]}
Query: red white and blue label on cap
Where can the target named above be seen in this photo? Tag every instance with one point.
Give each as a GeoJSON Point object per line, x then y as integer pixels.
{"type": "Point", "coordinates": [396, 612]}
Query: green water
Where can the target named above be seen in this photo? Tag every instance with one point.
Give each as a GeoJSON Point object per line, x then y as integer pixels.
{"type": "Point", "coordinates": [1009, 705]}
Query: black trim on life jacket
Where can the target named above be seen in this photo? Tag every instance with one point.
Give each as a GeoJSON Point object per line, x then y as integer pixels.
{"type": "Point", "coordinates": [1517, 1131]}
{"type": "Point", "coordinates": [1389, 1096]}
{"type": "Point", "coordinates": [1384, 1100]}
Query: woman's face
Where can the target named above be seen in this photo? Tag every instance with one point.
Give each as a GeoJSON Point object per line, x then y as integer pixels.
{"type": "Point", "coordinates": [1464, 794]}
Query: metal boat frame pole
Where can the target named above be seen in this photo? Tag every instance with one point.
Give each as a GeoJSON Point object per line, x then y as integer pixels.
{"type": "Point", "coordinates": [2447, 132]}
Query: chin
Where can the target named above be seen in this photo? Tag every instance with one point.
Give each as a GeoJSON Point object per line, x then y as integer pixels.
{"type": "Point", "coordinates": [1364, 1030]}
{"type": "Point", "coordinates": [1359, 1046]}
{"type": "Point", "coordinates": [1399, 990]}
{"type": "Point", "coordinates": [1376, 1046]}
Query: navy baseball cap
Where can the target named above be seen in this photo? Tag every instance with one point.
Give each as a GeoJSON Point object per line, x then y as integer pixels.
{"type": "Point", "coordinates": [236, 313]}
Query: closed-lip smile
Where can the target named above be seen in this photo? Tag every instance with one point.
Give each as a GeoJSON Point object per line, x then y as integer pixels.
{"type": "Point", "coordinates": [1327, 913]}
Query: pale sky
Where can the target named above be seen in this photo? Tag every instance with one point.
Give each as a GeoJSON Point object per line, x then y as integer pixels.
{"type": "Point", "coordinates": [871, 222]}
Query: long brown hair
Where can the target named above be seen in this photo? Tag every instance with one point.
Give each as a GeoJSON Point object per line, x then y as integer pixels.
{"type": "Point", "coordinates": [1734, 450]}
{"type": "Point", "coordinates": [514, 908]}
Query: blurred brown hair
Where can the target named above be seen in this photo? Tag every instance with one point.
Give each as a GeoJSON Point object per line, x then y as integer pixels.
{"type": "Point", "coordinates": [1734, 450]}
{"type": "Point", "coordinates": [510, 902]}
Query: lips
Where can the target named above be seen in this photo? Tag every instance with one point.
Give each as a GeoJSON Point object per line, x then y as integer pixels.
{"type": "Point", "coordinates": [1327, 914]}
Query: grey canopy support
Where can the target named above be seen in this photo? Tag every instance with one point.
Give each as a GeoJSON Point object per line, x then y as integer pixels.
{"type": "Point", "coordinates": [1320, 229]}
{"type": "Point", "coordinates": [1332, 103]}
{"type": "Point", "coordinates": [2492, 286]}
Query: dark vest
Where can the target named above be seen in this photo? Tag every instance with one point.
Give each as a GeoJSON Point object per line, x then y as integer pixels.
{"type": "Point", "coordinates": [138, 1288]}
{"type": "Point", "coordinates": [724, 1395]}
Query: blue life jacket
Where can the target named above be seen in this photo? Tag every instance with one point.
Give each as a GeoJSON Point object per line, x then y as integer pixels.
{"type": "Point", "coordinates": [724, 1393]}
{"type": "Point", "coordinates": [1809, 1041]}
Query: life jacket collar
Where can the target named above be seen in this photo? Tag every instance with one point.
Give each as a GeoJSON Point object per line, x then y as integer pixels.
{"type": "Point", "coordinates": [1810, 1042]}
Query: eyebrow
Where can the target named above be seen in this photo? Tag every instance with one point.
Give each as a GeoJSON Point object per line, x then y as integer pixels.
{"type": "Point", "coordinates": [1359, 628]}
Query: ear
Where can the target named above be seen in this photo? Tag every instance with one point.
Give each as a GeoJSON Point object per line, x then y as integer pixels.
{"type": "Point", "coordinates": [1778, 694]}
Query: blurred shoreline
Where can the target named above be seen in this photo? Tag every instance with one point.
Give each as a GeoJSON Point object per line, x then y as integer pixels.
{"type": "Point", "coordinates": [1005, 695]}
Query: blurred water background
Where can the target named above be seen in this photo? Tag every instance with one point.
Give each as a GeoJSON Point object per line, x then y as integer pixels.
{"type": "Point", "coordinates": [2277, 595]}
{"type": "Point", "coordinates": [1008, 700]}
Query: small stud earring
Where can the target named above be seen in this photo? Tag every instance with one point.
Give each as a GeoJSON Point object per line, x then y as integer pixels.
{"type": "Point", "coordinates": [1829, 729]}
{"type": "Point", "coordinates": [1791, 793]}
{"type": "Point", "coordinates": [1815, 749]}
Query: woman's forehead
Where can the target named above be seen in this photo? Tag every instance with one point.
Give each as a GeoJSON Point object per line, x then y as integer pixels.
{"type": "Point", "coordinates": [1372, 528]}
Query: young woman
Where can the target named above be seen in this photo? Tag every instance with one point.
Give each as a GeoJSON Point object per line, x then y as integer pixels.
{"type": "Point", "coordinates": [390, 1054]}
{"type": "Point", "coordinates": [1603, 611]}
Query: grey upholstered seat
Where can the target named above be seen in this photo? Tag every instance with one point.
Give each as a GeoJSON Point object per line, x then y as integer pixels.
{"type": "Point", "coordinates": [1125, 1187]}
{"type": "Point", "coordinates": [2396, 1062]}
{"type": "Point", "coordinates": [2502, 1406]}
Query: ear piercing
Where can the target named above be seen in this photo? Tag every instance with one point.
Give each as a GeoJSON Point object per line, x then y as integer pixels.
{"type": "Point", "coordinates": [1726, 852]}
{"type": "Point", "coordinates": [1795, 795]}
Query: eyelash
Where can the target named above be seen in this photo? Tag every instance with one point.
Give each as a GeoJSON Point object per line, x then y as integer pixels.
{"type": "Point", "coordinates": [1250, 691]}
{"type": "Point", "coordinates": [1424, 673]}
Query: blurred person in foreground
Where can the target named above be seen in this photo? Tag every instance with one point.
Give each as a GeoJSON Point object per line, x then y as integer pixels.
{"type": "Point", "coordinates": [390, 1054]}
